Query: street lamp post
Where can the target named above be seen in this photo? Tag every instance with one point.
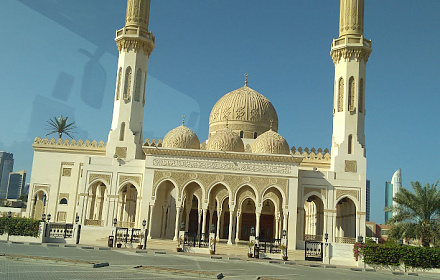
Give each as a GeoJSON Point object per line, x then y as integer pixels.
{"type": "Point", "coordinates": [144, 223]}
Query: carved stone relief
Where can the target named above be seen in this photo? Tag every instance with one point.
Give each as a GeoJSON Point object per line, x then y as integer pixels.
{"type": "Point", "coordinates": [350, 166]}
{"type": "Point", "coordinates": [353, 193]}
{"type": "Point", "coordinates": [94, 176]}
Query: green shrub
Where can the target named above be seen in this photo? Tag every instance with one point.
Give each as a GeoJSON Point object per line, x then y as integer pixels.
{"type": "Point", "coordinates": [19, 226]}
{"type": "Point", "coordinates": [393, 255]}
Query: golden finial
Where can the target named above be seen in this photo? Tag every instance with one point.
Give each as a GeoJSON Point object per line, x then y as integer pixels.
{"type": "Point", "coordinates": [183, 119]}
{"type": "Point", "coordinates": [271, 124]}
{"type": "Point", "coordinates": [246, 75]}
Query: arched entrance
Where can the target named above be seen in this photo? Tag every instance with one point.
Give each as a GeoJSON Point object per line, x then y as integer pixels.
{"type": "Point", "coordinates": [217, 196]}
{"type": "Point", "coordinates": [127, 199]}
{"type": "Point", "coordinates": [164, 211]}
{"type": "Point", "coordinates": [345, 221]}
{"type": "Point", "coordinates": [39, 206]}
{"type": "Point", "coordinates": [95, 204]}
{"type": "Point", "coordinates": [248, 218]}
{"type": "Point", "coordinates": [313, 218]}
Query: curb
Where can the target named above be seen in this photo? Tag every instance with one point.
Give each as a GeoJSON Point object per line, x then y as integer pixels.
{"type": "Point", "coordinates": [98, 265]}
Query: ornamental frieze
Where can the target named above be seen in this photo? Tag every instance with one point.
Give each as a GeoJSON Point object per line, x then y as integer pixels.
{"type": "Point", "coordinates": [224, 165]}
{"type": "Point", "coordinates": [353, 193]}
{"type": "Point", "coordinates": [323, 192]}
{"type": "Point", "coordinates": [125, 178]}
{"type": "Point", "coordinates": [94, 176]}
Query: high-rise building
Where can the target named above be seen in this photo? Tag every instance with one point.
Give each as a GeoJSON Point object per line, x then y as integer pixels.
{"type": "Point", "coordinates": [367, 198]}
{"type": "Point", "coordinates": [391, 188]}
{"type": "Point", "coordinates": [6, 167]}
{"type": "Point", "coordinates": [16, 184]}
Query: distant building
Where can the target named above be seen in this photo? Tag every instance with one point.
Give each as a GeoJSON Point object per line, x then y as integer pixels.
{"type": "Point", "coordinates": [17, 181]}
{"type": "Point", "coordinates": [391, 188]}
{"type": "Point", "coordinates": [367, 208]}
{"type": "Point", "coordinates": [6, 167]}
{"type": "Point", "coordinates": [25, 190]}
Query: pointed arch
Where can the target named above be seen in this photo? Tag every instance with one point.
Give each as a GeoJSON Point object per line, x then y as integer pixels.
{"type": "Point", "coordinates": [127, 84]}
{"type": "Point", "coordinates": [351, 94]}
{"type": "Point", "coordinates": [118, 84]}
{"type": "Point", "coordinates": [341, 94]}
{"type": "Point", "coordinates": [137, 90]}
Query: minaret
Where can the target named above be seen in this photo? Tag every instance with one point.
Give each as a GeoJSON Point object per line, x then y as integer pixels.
{"type": "Point", "coordinates": [135, 44]}
{"type": "Point", "coordinates": [350, 54]}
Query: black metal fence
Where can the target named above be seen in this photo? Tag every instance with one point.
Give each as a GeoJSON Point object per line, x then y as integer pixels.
{"type": "Point", "coordinates": [126, 235]}
{"type": "Point", "coordinates": [271, 246]}
{"type": "Point", "coordinates": [196, 240]}
{"type": "Point", "coordinates": [313, 251]}
{"type": "Point", "coordinates": [61, 230]}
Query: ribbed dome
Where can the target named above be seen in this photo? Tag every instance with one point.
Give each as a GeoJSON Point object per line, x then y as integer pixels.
{"type": "Point", "coordinates": [244, 110]}
{"type": "Point", "coordinates": [270, 142]}
{"type": "Point", "coordinates": [225, 140]}
{"type": "Point", "coordinates": [181, 137]}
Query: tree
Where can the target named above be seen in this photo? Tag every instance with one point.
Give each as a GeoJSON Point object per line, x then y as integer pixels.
{"type": "Point", "coordinates": [416, 214]}
{"type": "Point", "coordinates": [60, 126]}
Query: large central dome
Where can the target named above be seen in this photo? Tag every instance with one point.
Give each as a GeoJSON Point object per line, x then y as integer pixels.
{"type": "Point", "coordinates": [245, 111]}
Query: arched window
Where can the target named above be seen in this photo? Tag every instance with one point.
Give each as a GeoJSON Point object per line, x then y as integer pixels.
{"type": "Point", "coordinates": [241, 134]}
{"type": "Point", "coordinates": [255, 135]}
{"type": "Point", "coordinates": [118, 85]}
{"type": "Point", "coordinates": [143, 91]}
{"type": "Point", "coordinates": [351, 94]}
{"type": "Point", "coordinates": [122, 132]}
{"type": "Point", "coordinates": [127, 85]}
{"type": "Point", "coordinates": [350, 144]}
{"type": "Point", "coordinates": [63, 201]}
{"type": "Point", "coordinates": [361, 95]}
{"type": "Point", "coordinates": [137, 90]}
{"type": "Point", "coordinates": [341, 95]}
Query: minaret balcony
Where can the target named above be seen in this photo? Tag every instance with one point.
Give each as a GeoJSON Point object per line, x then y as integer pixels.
{"type": "Point", "coordinates": [134, 32]}
{"type": "Point", "coordinates": [351, 41]}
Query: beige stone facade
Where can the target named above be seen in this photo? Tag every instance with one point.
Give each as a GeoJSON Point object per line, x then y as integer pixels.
{"type": "Point", "coordinates": [244, 176]}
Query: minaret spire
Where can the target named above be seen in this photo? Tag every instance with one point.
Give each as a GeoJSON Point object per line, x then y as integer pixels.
{"type": "Point", "coordinates": [351, 18]}
{"type": "Point", "coordinates": [350, 54]}
{"type": "Point", "coordinates": [135, 44]}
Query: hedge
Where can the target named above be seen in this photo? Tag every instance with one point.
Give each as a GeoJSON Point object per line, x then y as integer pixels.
{"type": "Point", "coordinates": [19, 226]}
{"type": "Point", "coordinates": [395, 255]}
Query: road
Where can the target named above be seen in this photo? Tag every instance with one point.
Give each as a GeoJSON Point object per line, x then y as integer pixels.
{"type": "Point", "coordinates": [25, 261]}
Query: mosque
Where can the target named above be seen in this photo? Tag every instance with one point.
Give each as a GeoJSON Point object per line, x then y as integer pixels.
{"type": "Point", "coordinates": [243, 176]}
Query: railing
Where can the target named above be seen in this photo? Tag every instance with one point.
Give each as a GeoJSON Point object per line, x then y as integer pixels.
{"type": "Point", "coordinates": [271, 246]}
{"type": "Point", "coordinates": [345, 240]}
{"type": "Point", "coordinates": [309, 237]}
{"type": "Point", "coordinates": [313, 251]}
{"type": "Point", "coordinates": [126, 235]}
{"type": "Point", "coordinates": [98, 223]}
{"type": "Point", "coordinates": [61, 230]}
{"type": "Point", "coordinates": [196, 240]}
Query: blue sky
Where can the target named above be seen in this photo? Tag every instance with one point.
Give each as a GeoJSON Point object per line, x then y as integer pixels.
{"type": "Point", "coordinates": [59, 57]}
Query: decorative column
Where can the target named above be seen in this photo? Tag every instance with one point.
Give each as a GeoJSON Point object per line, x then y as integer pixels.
{"type": "Point", "coordinates": [219, 216]}
{"type": "Point", "coordinates": [211, 213]}
{"type": "Point", "coordinates": [187, 219]}
{"type": "Point", "coordinates": [257, 224]}
{"type": "Point", "coordinates": [199, 217]}
{"type": "Point", "coordinates": [237, 228]}
{"type": "Point", "coordinates": [177, 226]}
{"type": "Point", "coordinates": [285, 216]}
{"type": "Point", "coordinates": [204, 211]}
{"type": "Point", "coordinates": [231, 222]}
{"type": "Point", "coordinates": [277, 226]}
{"type": "Point", "coordinates": [150, 218]}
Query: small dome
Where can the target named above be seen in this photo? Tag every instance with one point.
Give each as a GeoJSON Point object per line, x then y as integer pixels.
{"type": "Point", "coordinates": [225, 140]}
{"type": "Point", "coordinates": [270, 142]}
{"type": "Point", "coordinates": [243, 110]}
{"type": "Point", "coordinates": [182, 138]}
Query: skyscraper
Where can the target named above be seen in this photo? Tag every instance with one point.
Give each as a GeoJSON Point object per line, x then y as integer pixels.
{"type": "Point", "coordinates": [391, 188]}
{"type": "Point", "coordinates": [16, 184]}
{"type": "Point", "coordinates": [6, 167]}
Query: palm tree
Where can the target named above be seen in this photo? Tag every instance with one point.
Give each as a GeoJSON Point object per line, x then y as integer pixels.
{"type": "Point", "coordinates": [416, 214]}
{"type": "Point", "coordinates": [60, 126]}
